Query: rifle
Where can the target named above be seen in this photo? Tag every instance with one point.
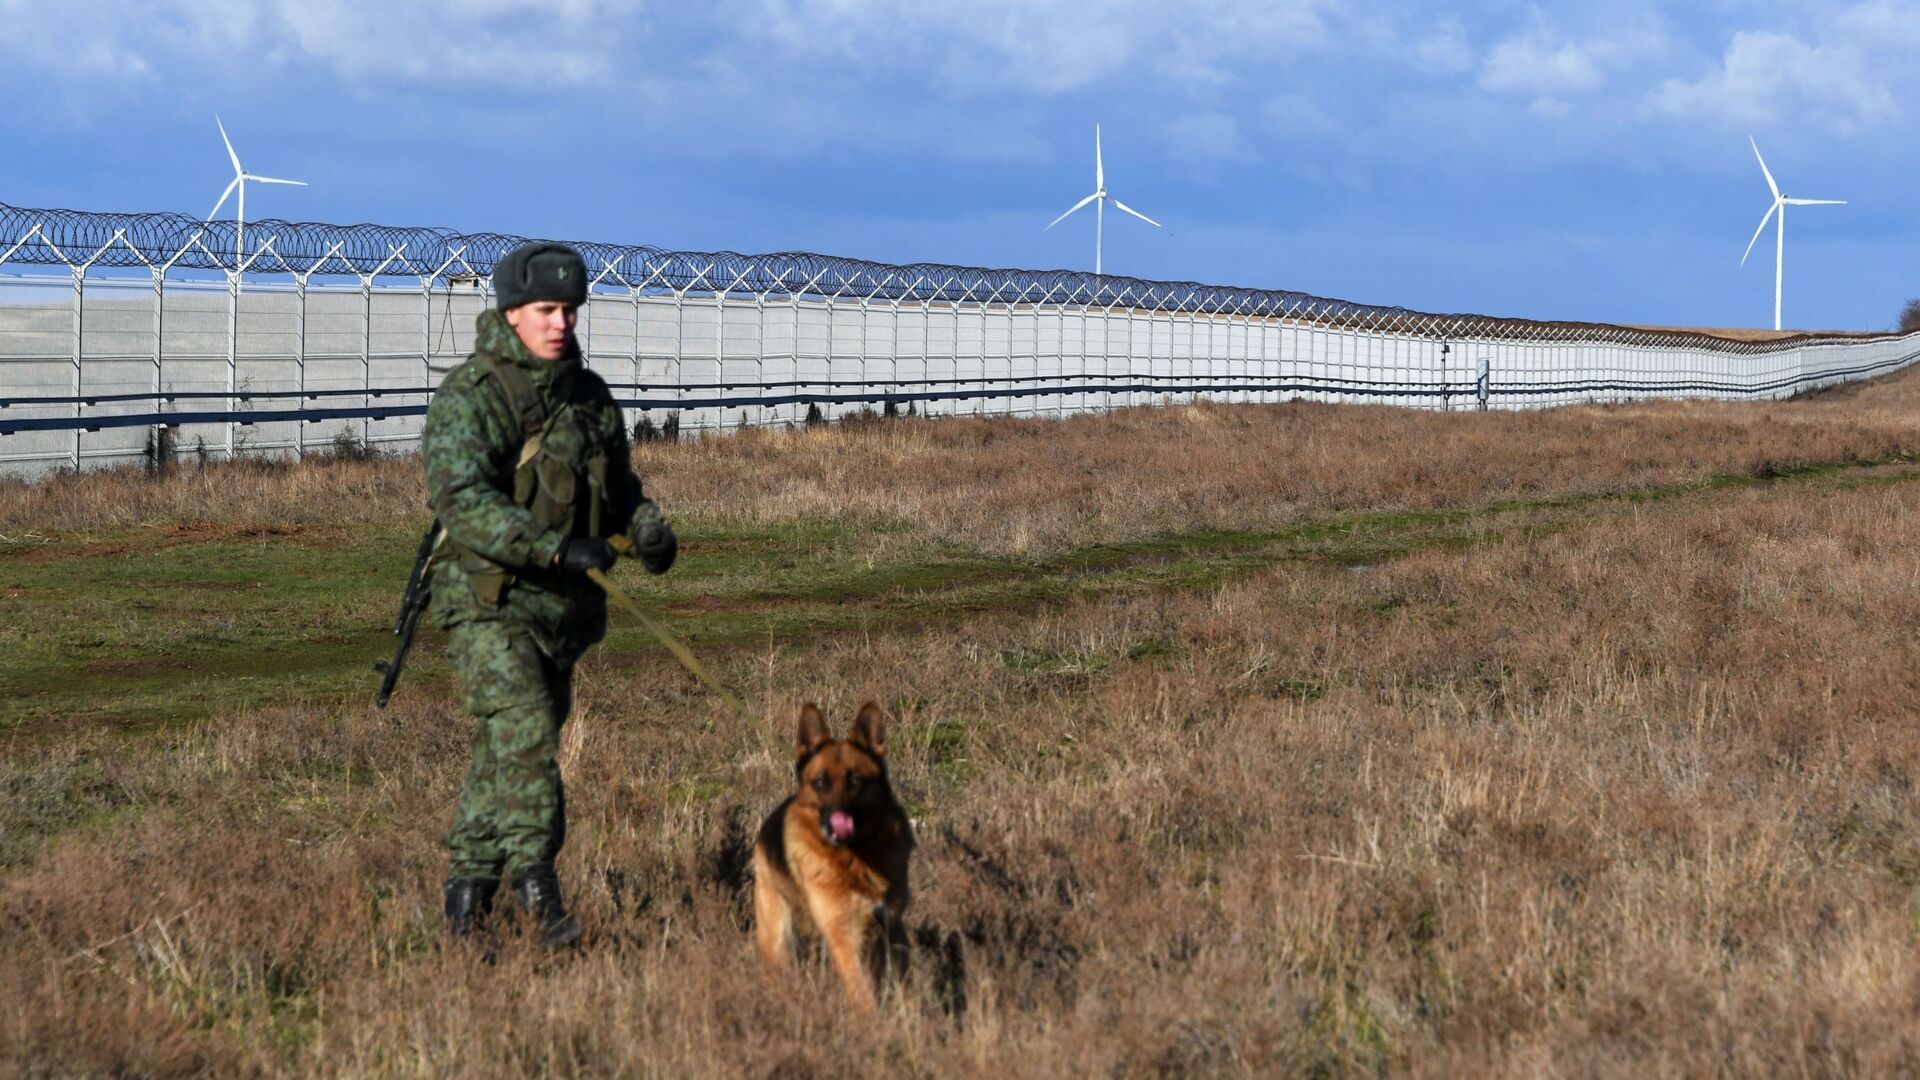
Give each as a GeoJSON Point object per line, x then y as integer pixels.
{"type": "Point", "coordinates": [413, 603]}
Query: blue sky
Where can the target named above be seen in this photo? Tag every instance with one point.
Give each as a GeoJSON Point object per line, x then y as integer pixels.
{"type": "Point", "coordinates": [1553, 160]}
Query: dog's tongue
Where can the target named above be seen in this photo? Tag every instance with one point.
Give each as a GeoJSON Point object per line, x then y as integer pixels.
{"type": "Point", "coordinates": [840, 823]}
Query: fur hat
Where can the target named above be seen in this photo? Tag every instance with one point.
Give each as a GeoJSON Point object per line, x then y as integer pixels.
{"type": "Point", "coordinates": [539, 271]}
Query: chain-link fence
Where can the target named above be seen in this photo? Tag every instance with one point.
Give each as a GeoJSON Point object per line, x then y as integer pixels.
{"type": "Point", "coordinates": [126, 336]}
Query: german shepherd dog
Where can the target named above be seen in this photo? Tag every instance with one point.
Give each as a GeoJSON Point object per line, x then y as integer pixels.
{"type": "Point", "coordinates": [833, 857]}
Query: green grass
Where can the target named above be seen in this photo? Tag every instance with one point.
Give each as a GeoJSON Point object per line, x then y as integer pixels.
{"type": "Point", "coordinates": [126, 633]}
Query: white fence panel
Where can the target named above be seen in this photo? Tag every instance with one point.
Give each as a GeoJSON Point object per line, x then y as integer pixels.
{"type": "Point", "coordinates": [117, 330]}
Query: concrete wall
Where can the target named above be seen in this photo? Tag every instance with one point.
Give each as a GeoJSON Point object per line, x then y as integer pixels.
{"type": "Point", "coordinates": [718, 363]}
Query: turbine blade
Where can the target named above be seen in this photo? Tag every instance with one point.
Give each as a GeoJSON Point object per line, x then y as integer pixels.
{"type": "Point", "coordinates": [1815, 202]}
{"type": "Point", "coordinates": [1756, 233]}
{"type": "Point", "coordinates": [1123, 206]}
{"type": "Point", "coordinates": [1069, 213]}
{"type": "Point", "coordinates": [223, 138]}
{"type": "Point", "coordinates": [1099, 168]}
{"type": "Point", "coordinates": [1775, 188]}
{"type": "Point", "coordinates": [234, 183]}
{"type": "Point", "coordinates": [275, 180]}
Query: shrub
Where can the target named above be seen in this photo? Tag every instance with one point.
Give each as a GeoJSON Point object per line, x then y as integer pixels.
{"type": "Point", "coordinates": [346, 446]}
{"type": "Point", "coordinates": [160, 449]}
{"type": "Point", "coordinates": [668, 430]}
{"type": "Point", "coordinates": [1910, 317]}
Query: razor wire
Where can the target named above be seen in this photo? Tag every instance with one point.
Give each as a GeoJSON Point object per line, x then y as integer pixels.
{"type": "Point", "coordinates": [54, 237]}
{"type": "Point", "coordinates": [813, 328]}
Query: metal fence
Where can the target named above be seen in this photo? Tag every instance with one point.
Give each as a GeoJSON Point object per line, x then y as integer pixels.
{"type": "Point", "coordinates": [127, 335]}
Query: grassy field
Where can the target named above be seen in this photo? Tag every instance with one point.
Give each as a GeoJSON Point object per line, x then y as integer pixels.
{"type": "Point", "coordinates": [1241, 740]}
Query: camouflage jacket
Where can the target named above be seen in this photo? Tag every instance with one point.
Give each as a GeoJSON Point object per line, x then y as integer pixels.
{"type": "Point", "coordinates": [495, 563]}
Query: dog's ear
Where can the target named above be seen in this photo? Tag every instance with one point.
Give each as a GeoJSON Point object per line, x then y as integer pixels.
{"type": "Point", "coordinates": [813, 733]}
{"type": "Point", "coordinates": [870, 729]}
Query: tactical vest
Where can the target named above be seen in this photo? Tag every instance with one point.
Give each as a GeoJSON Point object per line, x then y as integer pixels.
{"type": "Point", "coordinates": [545, 483]}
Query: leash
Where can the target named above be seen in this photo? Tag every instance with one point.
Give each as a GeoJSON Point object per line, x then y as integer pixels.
{"type": "Point", "coordinates": [661, 634]}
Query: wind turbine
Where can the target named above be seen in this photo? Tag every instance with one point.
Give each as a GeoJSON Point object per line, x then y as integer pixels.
{"type": "Point", "coordinates": [1780, 204]}
{"type": "Point", "coordinates": [234, 276]}
{"type": "Point", "coordinates": [240, 178]}
{"type": "Point", "coordinates": [1100, 199]}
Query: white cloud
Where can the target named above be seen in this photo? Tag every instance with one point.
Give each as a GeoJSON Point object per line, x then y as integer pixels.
{"type": "Point", "coordinates": [1537, 63]}
{"type": "Point", "coordinates": [1208, 137]}
{"type": "Point", "coordinates": [1042, 46]}
{"type": "Point", "coordinates": [66, 37]}
{"type": "Point", "coordinates": [511, 42]}
{"type": "Point", "coordinates": [1443, 51]}
{"type": "Point", "coordinates": [1550, 68]}
{"type": "Point", "coordinates": [507, 42]}
{"type": "Point", "coordinates": [1298, 116]}
{"type": "Point", "coordinates": [1849, 76]}
{"type": "Point", "coordinates": [1551, 108]}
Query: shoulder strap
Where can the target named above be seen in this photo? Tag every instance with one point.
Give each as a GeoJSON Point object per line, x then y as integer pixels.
{"type": "Point", "coordinates": [528, 407]}
{"type": "Point", "coordinates": [522, 398]}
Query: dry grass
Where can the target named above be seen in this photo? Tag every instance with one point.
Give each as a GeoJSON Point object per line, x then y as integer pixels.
{"type": "Point", "coordinates": [1631, 795]}
{"type": "Point", "coordinates": [1036, 487]}
{"type": "Point", "coordinates": [1755, 333]}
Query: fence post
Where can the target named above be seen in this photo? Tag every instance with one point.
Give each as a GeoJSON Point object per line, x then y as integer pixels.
{"type": "Point", "coordinates": [366, 360]}
{"type": "Point", "coordinates": [300, 362]}
{"type": "Point", "coordinates": [861, 357]}
{"type": "Point", "coordinates": [1193, 378]}
{"type": "Point", "coordinates": [1264, 381]}
{"type": "Point", "coordinates": [987, 403]}
{"type": "Point", "coordinates": [793, 350]}
{"type": "Point", "coordinates": [678, 356]}
{"type": "Point", "coordinates": [79, 300]}
{"type": "Point", "coordinates": [893, 351]}
{"type": "Point", "coordinates": [583, 328]}
{"type": "Point", "coordinates": [761, 414]}
{"type": "Point", "coordinates": [159, 325]}
{"type": "Point", "coordinates": [1085, 321]}
{"type": "Point", "coordinates": [926, 352]}
{"type": "Point", "coordinates": [1018, 399]}
{"type": "Point", "coordinates": [633, 358]}
{"type": "Point", "coordinates": [720, 343]}
{"type": "Point", "coordinates": [953, 348]}
{"type": "Point", "coordinates": [426, 331]}
{"type": "Point", "coordinates": [233, 347]}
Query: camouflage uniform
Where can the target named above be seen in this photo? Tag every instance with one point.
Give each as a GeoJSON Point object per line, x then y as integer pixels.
{"type": "Point", "coordinates": [516, 626]}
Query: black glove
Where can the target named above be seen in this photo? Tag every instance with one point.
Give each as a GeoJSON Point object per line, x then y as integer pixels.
{"type": "Point", "coordinates": [583, 553]}
{"type": "Point", "coordinates": [654, 543]}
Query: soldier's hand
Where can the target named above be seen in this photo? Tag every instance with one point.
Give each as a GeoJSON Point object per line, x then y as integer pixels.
{"type": "Point", "coordinates": [654, 543]}
{"type": "Point", "coordinates": [583, 553]}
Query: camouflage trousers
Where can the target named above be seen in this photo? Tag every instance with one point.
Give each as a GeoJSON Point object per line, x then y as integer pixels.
{"type": "Point", "coordinates": [512, 813]}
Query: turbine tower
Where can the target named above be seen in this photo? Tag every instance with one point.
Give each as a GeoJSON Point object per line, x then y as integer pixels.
{"type": "Point", "coordinates": [234, 276]}
{"type": "Point", "coordinates": [1100, 199]}
{"type": "Point", "coordinates": [240, 178]}
{"type": "Point", "coordinates": [1780, 204]}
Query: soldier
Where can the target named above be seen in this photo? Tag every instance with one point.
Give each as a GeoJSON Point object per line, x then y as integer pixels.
{"type": "Point", "coordinates": [528, 469]}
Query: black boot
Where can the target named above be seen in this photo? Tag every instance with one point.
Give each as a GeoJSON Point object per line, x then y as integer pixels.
{"type": "Point", "coordinates": [539, 893]}
{"type": "Point", "coordinates": [468, 903]}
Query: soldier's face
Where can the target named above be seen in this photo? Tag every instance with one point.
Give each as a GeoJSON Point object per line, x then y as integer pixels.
{"type": "Point", "coordinates": [544, 326]}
